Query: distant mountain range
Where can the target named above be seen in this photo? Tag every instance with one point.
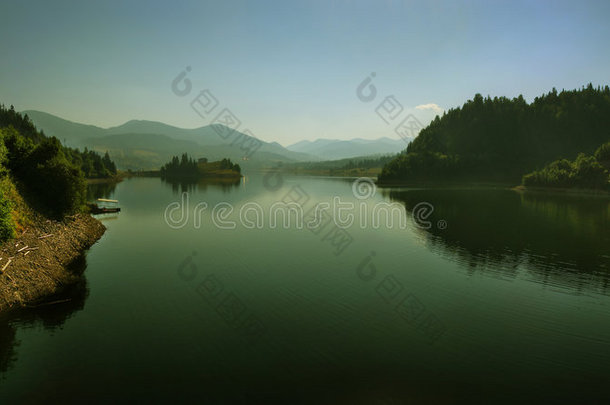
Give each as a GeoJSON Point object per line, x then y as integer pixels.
{"type": "Point", "coordinates": [145, 145]}
{"type": "Point", "coordinates": [334, 149]}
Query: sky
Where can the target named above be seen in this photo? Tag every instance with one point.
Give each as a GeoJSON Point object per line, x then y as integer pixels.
{"type": "Point", "coordinates": [290, 70]}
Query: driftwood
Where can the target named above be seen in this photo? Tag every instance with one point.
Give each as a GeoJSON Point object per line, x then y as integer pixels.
{"type": "Point", "coordinates": [7, 263]}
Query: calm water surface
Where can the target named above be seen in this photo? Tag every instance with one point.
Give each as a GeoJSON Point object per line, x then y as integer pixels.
{"type": "Point", "coordinates": [493, 296]}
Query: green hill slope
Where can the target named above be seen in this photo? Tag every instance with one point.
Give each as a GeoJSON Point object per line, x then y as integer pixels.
{"type": "Point", "coordinates": [501, 139]}
{"type": "Point", "coordinates": [145, 145]}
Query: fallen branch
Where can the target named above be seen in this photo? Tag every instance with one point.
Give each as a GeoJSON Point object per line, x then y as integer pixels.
{"type": "Point", "coordinates": [45, 236]}
{"type": "Point", "coordinates": [23, 248]}
{"type": "Point", "coordinates": [7, 263]}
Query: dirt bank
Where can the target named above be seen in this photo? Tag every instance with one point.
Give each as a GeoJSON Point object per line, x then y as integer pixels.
{"type": "Point", "coordinates": [34, 265]}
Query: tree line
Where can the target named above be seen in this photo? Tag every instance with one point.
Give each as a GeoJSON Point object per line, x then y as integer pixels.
{"type": "Point", "coordinates": [183, 166]}
{"type": "Point", "coordinates": [584, 172]}
{"type": "Point", "coordinates": [187, 167]}
{"type": "Point", "coordinates": [48, 175]}
{"type": "Point", "coordinates": [91, 163]}
{"type": "Point", "coordinates": [502, 139]}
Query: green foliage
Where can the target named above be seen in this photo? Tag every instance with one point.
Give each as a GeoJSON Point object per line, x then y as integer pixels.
{"type": "Point", "coordinates": [18, 149]}
{"type": "Point", "coordinates": [7, 226]}
{"type": "Point", "coordinates": [91, 163]}
{"type": "Point", "coordinates": [48, 166]}
{"type": "Point", "coordinates": [226, 164]}
{"type": "Point", "coordinates": [51, 176]}
{"type": "Point", "coordinates": [49, 180]}
{"type": "Point", "coordinates": [500, 138]}
{"type": "Point", "coordinates": [3, 156]}
{"type": "Point", "coordinates": [368, 163]}
{"type": "Point", "coordinates": [343, 164]}
{"type": "Point", "coordinates": [584, 172]}
{"type": "Point", "coordinates": [602, 155]}
{"type": "Point", "coordinates": [421, 166]}
{"type": "Point", "coordinates": [22, 123]}
{"type": "Point", "coordinates": [185, 167]}
{"type": "Point", "coordinates": [180, 167]}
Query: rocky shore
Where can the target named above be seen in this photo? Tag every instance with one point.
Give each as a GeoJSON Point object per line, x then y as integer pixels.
{"type": "Point", "coordinates": [35, 265]}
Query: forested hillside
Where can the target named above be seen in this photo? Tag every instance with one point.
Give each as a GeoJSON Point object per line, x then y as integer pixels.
{"type": "Point", "coordinates": [501, 139]}
{"type": "Point", "coordinates": [49, 176]}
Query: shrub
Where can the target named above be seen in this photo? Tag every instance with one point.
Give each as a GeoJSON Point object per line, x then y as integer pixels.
{"type": "Point", "coordinates": [589, 173]}
{"type": "Point", "coordinates": [585, 172]}
{"type": "Point", "coordinates": [48, 166]}
{"type": "Point", "coordinates": [602, 155]}
{"type": "Point", "coordinates": [7, 225]}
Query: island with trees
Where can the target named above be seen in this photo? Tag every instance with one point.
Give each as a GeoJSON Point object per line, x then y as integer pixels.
{"type": "Point", "coordinates": [187, 168]}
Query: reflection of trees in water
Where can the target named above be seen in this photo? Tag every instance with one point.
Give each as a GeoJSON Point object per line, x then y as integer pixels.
{"type": "Point", "coordinates": [563, 240]}
{"type": "Point", "coordinates": [187, 185]}
{"type": "Point", "coordinates": [100, 190]}
{"type": "Point", "coordinates": [8, 344]}
{"type": "Point", "coordinates": [50, 314]}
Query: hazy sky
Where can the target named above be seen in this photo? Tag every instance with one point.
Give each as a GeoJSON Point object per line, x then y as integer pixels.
{"type": "Point", "coordinates": [289, 69]}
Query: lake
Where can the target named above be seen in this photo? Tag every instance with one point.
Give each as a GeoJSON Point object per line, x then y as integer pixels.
{"type": "Point", "coordinates": [221, 295]}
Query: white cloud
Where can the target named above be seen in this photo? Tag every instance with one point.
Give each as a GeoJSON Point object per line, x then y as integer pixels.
{"type": "Point", "coordinates": [430, 106]}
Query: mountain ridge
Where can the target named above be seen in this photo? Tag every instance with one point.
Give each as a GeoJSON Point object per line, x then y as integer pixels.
{"type": "Point", "coordinates": [335, 149]}
{"type": "Point", "coordinates": [147, 152]}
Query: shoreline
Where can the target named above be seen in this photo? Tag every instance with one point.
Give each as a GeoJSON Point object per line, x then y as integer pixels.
{"type": "Point", "coordinates": [211, 175]}
{"type": "Point", "coordinates": [507, 186]}
{"type": "Point", "coordinates": [119, 177]}
{"type": "Point", "coordinates": [562, 191]}
{"type": "Point", "coordinates": [35, 265]}
{"type": "Point", "coordinates": [445, 185]}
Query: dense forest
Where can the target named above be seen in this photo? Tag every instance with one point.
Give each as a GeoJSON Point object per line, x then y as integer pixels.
{"type": "Point", "coordinates": [501, 139]}
{"type": "Point", "coordinates": [355, 166]}
{"type": "Point", "coordinates": [48, 175]}
{"type": "Point", "coordinates": [91, 163]}
{"type": "Point", "coordinates": [186, 167]}
{"type": "Point", "coordinates": [363, 162]}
